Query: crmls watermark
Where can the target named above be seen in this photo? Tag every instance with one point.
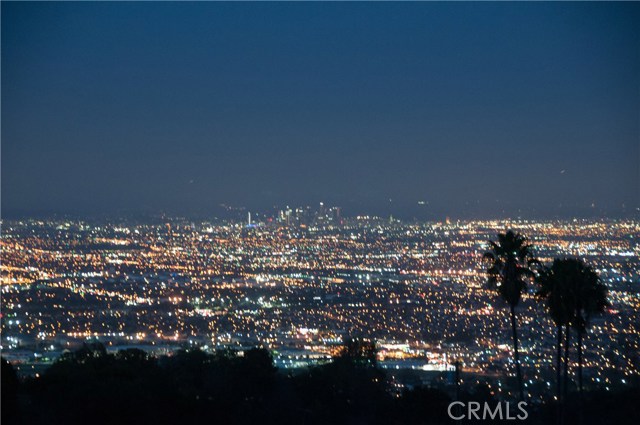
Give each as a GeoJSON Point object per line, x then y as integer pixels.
{"type": "Point", "coordinates": [477, 411]}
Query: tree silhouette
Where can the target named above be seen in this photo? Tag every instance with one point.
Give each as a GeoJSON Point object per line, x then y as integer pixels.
{"type": "Point", "coordinates": [555, 291]}
{"type": "Point", "coordinates": [590, 298]}
{"type": "Point", "coordinates": [350, 389]}
{"type": "Point", "coordinates": [555, 288]}
{"type": "Point", "coordinates": [9, 390]}
{"type": "Point", "coordinates": [510, 261]}
{"type": "Point", "coordinates": [574, 293]}
{"type": "Point", "coordinates": [359, 351]}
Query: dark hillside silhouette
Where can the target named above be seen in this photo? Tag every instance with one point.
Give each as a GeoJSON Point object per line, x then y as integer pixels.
{"type": "Point", "coordinates": [131, 387]}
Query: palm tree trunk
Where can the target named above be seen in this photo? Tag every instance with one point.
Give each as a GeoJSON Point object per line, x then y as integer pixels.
{"type": "Point", "coordinates": [566, 363]}
{"type": "Point", "coordinates": [580, 362]}
{"type": "Point", "coordinates": [559, 364]}
{"type": "Point", "coordinates": [580, 415]}
{"type": "Point", "coordinates": [559, 375]}
{"type": "Point", "coordinates": [515, 351]}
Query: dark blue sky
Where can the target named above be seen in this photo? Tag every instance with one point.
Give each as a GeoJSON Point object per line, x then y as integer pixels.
{"type": "Point", "coordinates": [487, 110]}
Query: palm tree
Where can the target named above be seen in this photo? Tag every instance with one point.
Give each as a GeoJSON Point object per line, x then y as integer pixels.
{"type": "Point", "coordinates": [556, 289]}
{"type": "Point", "coordinates": [510, 260]}
{"type": "Point", "coordinates": [579, 294]}
{"type": "Point", "coordinates": [555, 292]}
{"type": "Point", "coordinates": [590, 299]}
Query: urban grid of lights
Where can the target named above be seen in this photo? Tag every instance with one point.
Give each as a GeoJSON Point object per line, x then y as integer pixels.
{"type": "Point", "coordinates": [300, 286]}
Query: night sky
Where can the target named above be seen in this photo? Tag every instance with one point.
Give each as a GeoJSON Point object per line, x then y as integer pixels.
{"type": "Point", "coordinates": [478, 110]}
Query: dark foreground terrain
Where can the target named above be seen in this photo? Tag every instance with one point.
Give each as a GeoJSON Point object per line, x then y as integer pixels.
{"type": "Point", "coordinates": [130, 387]}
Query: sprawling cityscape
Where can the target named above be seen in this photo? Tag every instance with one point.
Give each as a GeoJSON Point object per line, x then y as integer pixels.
{"type": "Point", "coordinates": [303, 280]}
{"type": "Point", "coordinates": [319, 213]}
